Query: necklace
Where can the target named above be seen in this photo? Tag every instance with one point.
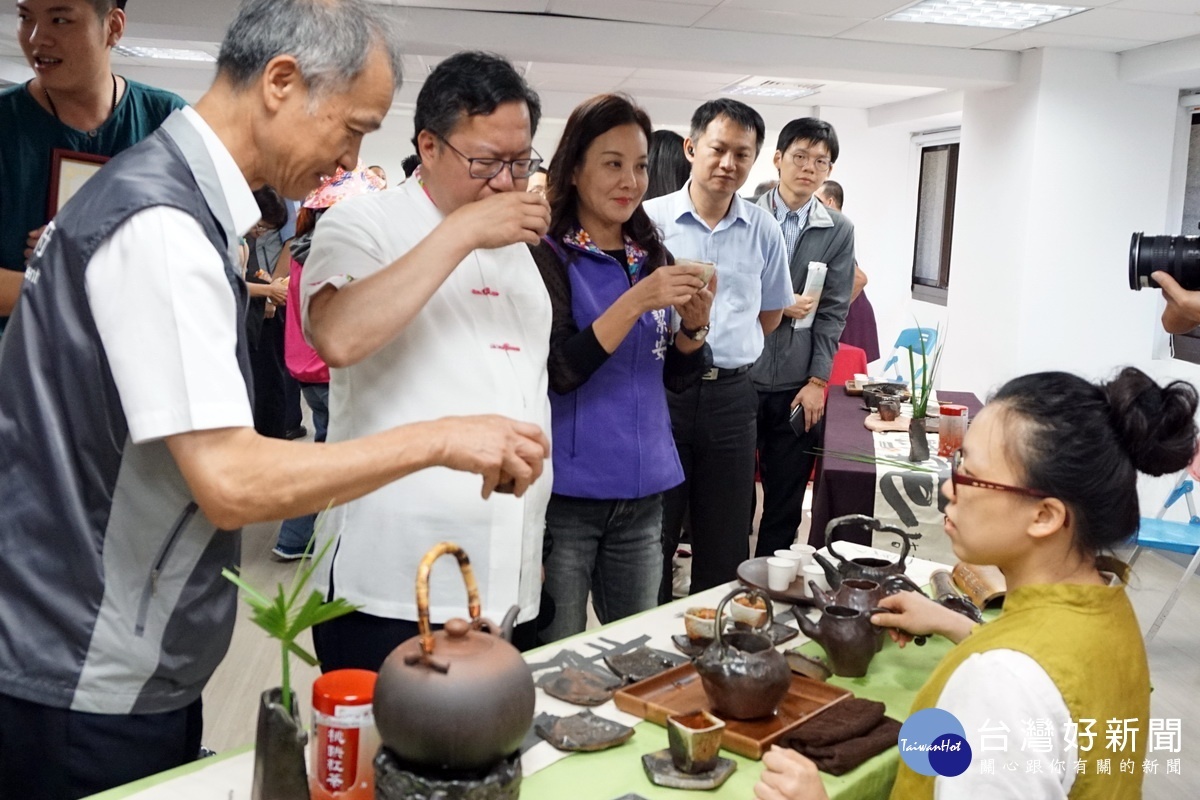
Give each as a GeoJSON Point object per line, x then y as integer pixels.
{"type": "Point", "coordinates": [111, 110]}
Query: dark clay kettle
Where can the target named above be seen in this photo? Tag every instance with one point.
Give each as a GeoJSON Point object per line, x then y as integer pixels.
{"type": "Point", "coordinates": [743, 675]}
{"type": "Point", "coordinates": [458, 699]}
{"type": "Point", "coordinates": [872, 569]}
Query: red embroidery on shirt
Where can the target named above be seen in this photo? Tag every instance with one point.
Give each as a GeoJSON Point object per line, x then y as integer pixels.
{"type": "Point", "coordinates": [486, 291]}
{"type": "Point", "coordinates": [506, 347]}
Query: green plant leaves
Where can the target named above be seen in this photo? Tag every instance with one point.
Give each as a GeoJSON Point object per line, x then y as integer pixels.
{"type": "Point", "coordinates": [282, 619]}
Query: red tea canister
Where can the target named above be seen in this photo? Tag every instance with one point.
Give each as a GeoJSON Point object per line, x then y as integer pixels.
{"type": "Point", "coordinates": [951, 429]}
{"type": "Point", "coordinates": [344, 740]}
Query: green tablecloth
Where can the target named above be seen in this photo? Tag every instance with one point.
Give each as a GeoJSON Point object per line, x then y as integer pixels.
{"type": "Point", "coordinates": [894, 678]}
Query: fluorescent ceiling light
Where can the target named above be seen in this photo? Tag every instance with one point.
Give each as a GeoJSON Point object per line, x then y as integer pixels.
{"type": "Point", "coordinates": [166, 53]}
{"type": "Point", "coordinates": [769, 87]}
{"type": "Point", "coordinates": [984, 13]}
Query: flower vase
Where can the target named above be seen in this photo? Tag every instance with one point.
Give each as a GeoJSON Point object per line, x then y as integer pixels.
{"type": "Point", "coordinates": [279, 771]}
{"type": "Point", "coordinates": [918, 440]}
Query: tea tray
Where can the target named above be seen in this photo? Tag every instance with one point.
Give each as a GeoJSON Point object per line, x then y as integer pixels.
{"type": "Point", "coordinates": [679, 690]}
{"type": "Point", "coordinates": [753, 573]}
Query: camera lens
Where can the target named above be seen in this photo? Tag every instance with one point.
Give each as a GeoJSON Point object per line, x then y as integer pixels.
{"type": "Point", "coordinates": [1178, 256]}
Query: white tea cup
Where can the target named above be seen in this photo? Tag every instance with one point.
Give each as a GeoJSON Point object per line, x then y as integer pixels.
{"type": "Point", "coordinates": [780, 573]}
{"type": "Point", "coordinates": [797, 560]}
{"type": "Point", "coordinates": [806, 553]}
{"type": "Point", "coordinates": [816, 574]}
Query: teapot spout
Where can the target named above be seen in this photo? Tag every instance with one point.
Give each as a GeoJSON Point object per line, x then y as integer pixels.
{"type": "Point", "coordinates": [809, 628]}
{"type": "Point", "coordinates": [832, 576]}
{"type": "Point", "coordinates": [822, 598]}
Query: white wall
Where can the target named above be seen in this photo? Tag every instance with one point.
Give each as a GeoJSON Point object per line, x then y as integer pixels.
{"type": "Point", "coordinates": [1054, 174]}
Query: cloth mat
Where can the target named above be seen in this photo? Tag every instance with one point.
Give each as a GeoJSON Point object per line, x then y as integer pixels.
{"type": "Point", "coordinates": [844, 736]}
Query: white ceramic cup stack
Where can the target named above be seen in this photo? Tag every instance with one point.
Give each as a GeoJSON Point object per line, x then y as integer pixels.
{"type": "Point", "coordinates": [780, 573]}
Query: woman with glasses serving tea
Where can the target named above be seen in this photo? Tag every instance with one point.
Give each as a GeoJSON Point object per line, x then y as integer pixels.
{"type": "Point", "coordinates": [1045, 485]}
{"type": "Point", "coordinates": [612, 348]}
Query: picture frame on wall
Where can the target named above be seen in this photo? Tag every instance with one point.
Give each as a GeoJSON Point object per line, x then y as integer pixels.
{"type": "Point", "coordinates": [69, 171]}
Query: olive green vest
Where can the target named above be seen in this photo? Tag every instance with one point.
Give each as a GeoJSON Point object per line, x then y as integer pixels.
{"type": "Point", "coordinates": [1088, 641]}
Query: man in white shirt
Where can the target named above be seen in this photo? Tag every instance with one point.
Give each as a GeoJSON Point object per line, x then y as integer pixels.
{"type": "Point", "coordinates": [714, 421]}
{"type": "Point", "coordinates": [130, 460]}
{"type": "Point", "coordinates": [425, 300]}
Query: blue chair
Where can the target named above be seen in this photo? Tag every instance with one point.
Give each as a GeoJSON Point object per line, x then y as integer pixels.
{"type": "Point", "coordinates": [1177, 537]}
{"type": "Point", "coordinates": [911, 339]}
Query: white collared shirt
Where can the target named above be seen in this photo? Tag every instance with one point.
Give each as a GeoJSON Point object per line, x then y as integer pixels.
{"type": "Point", "coordinates": [752, 270]}
{"type": "Point", "coordinates": [166, 315]}
{"type": "Point", "coordinates": [478, 346]}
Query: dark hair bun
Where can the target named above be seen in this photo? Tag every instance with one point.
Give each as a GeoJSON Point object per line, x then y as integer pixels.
{"type": "Point", "coordinates": [1156, 424]}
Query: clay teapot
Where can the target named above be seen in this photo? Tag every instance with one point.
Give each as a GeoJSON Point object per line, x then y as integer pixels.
{"type": "Point", "coordinates": [847, 636]}
{"type": "Point", "coordinates": [459, 699]}
{"type": "Point", "coordinates": [743, 675]}
{"type": "Point", "coordinates": [873, 569]}
{"type": "Point", "coordinates": [863, 595]}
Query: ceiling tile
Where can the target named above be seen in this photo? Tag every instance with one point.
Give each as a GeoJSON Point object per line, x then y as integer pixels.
{"type": "Point", "coordinates": [750, 21]}
{"type": "Point", "coordinates": [654, 12]}
{"type": "Point", "coordinates": [527, 6]}
{"type": "Point", "coordinates": [1025, 40]}
{"type": "Point", "coordinates": [689, 76]}
{"type": "Point", "coordinates": [540, 69]}
{"type": "Point", "coordinates": [922, 33]}
{"type": "Point", "coordinates": [855, 9]}
{"type": "Point", "coordinates": [1165, 6]}
{"type": "Point", "coordinates": [1121, 23]}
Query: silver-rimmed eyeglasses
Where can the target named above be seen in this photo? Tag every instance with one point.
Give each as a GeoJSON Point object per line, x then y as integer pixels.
{"type": "Point", "coordinates": [819, 163]}
{"type": "Point", "coordinates": [485, 169]}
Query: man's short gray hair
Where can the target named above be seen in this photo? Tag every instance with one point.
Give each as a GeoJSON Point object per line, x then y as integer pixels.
{"type": "Point", "coordinates": [330, 40]}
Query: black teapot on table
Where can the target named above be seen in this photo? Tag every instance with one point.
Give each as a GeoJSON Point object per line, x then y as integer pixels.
{"type": "Point", "coordinates": [872, 569]}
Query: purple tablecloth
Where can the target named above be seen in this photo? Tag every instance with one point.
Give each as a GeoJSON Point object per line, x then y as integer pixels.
{"type": "Point", "coordinates": [848, 487]}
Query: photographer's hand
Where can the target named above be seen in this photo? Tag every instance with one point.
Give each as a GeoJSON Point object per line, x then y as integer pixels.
{"type": "Point", "coordinates": [1183, 307]}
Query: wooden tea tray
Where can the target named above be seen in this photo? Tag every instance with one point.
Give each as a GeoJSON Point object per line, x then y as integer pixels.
{"type": "Point", "coordinates": [679, 690]}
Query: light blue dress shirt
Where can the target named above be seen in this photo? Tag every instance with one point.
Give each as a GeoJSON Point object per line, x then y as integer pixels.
{"type": "Point", "coordinates": [752, 270]}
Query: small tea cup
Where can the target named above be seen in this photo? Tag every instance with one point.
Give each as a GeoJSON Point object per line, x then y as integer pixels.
{"type": "Point", "coordinates": [694, 740]}
{"type": "Point", "coordinates": [806, 553]}
{"type": "Point", "coordinates": [889, 409]}
{"type": "Point", "coordinates": [792, 555]}
{"type": "Point", "coordinates": [698, 625]}
{"type": "Point", "coordinates": [747, 614]}
{"type": "Point", "coordinates": [780, 573]}
{"type": "Point", "coordinates": [816, 574]}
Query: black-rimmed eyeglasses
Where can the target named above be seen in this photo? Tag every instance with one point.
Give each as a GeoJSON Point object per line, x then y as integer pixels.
{"type": "Point", "coordinates": [485, 169]}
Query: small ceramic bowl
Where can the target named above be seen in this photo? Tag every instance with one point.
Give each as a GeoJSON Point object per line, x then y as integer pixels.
{"type": "Point", "coordinates": [700, 623]}
{"type": "Point", "coordinates": [753, 616]}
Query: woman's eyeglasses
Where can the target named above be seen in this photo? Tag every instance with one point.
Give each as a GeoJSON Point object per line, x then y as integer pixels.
{"type": "Point", "coordinates": [958, 479]}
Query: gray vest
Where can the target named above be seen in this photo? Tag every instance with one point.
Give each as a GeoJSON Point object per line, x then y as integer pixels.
{"type": "Point", "coordinates": [111, 594]}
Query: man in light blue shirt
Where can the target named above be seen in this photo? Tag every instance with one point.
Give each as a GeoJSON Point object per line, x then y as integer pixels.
{"type": "Point", "coordinates": [714, 422]}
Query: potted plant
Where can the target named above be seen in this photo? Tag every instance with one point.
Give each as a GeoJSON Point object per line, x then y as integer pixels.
{"type": "Point", "coordinates": [279, 772]}
{"type": "Point", "coordinates": [921, 389]}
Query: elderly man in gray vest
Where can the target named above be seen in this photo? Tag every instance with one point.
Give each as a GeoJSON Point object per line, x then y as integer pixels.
{"type": "Point", "coordinates": [129, 455]}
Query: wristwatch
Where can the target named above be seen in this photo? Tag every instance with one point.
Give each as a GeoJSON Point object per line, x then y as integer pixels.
{"type": "Point", "coordinates": [697, 335]}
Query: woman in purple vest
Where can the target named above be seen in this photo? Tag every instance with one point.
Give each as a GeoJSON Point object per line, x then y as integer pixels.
{"type": "Point", "coordinates": [613, 356]}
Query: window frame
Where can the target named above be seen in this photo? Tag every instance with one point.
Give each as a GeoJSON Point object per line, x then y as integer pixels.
{"type": "Point", "coordinates": [923, 289]}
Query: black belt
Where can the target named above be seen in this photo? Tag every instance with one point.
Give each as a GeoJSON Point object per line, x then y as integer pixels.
{"type": "Point", "coordinates": [721, 372]}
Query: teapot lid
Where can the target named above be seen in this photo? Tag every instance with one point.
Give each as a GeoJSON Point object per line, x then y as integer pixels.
{"type": "Point", "coordinates": [460, 639]}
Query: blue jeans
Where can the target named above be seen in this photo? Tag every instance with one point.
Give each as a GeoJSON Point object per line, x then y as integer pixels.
{"type": "Point", "coordinates": [612, 548]}
{"type": "Point", "coordinates": [295, 532]}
